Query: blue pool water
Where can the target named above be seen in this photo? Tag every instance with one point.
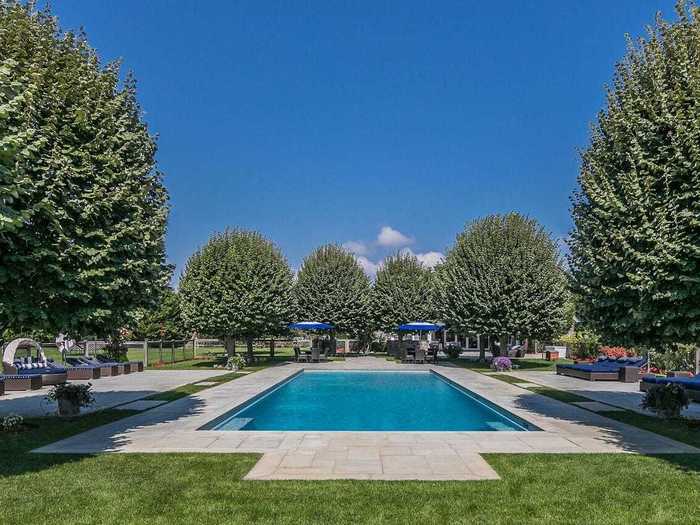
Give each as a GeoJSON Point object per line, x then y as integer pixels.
{"type": "Point", "coordinates": [320, 400]}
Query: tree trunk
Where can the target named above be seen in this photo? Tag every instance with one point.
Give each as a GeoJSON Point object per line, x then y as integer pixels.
{"type": "Point", "coordinates": [272, 348]}
{"type": "Point", "coordinates": [249, 343]}
{"type": "Point", "coordinates": [230, 345]}
{"type": "Point", "coordinates": [333, 345]}
{"type": "Point", "coordinates": [503, 345]}
{"type": "Point", "coordinates": [483, 342]}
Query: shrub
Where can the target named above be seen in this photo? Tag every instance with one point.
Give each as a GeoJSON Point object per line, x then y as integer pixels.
{"type": "Point", "coordinates": [235, 362]}
{"type": "Point", "coordinates": [501, 364]}
{"type": "Point", "coordinates": [453, 351]}
{"type": "Point", "coordinates": [666, 400]}
{"type": "Point", "coordinates": [378, 347]}
{"type": "Point", "coordinates": [677, 357]}
{"type": "Point", "coordinates": [616, 351]}
{"type": "Point", "coordinates": [583, 344]}
{"type": "Point", "coordinates": [11, 423]}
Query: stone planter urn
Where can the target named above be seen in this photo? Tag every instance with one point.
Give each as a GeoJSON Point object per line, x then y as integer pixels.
{"type": "Point", "coordinates": [68, 407]}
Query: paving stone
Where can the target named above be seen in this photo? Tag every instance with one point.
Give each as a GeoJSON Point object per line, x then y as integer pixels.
{"type": "Point", "coordinates": [144, 404]}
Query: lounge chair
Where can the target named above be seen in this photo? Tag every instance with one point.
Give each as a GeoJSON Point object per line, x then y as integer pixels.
{"type": "Point", "coordinates": [129, 366]}
{"type": "Point", "coordinates": [106, 370]}
{"type": "Point", "coordinates": [115, 367]}
{"type": "Point", "coordinates": [18, 369]}
{"type": "Point", "coordinates": [21, 382]}
{"type": "Point", "coordinates": [78, 370]}
{"type": "Point", "coordinates": [691, 384]}
{"type": "Point", "coordinates": [625, 369]}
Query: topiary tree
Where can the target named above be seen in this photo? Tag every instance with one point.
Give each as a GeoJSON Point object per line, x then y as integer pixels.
{"type": "Point", "coordinates": [82, 207]}
{"type": "Point", "coordinates": [332, 288]}
{"type": "Point", "coordinates": [634, 249]}
{"type": "Point", "coordinates": [402, 292]}
{"type": "Point", "coordinates": [238, 285]}
{"type": "Point", "coordinates": [503, 277]}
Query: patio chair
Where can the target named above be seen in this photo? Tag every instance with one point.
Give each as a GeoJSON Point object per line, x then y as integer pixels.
{"type": "Point", "coordinates": [299, 355]}
{"type": "Point", "coordinates": [419, 356]}
{"type": "Point", "coordinates": [410, 355]}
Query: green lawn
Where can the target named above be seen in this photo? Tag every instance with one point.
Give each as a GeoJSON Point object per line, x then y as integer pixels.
{"type": "Point", "coordinates": [207, 488]}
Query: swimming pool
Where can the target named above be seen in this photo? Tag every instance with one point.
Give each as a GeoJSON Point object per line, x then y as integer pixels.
{"type": "Point", "coordinates": [368, 401]}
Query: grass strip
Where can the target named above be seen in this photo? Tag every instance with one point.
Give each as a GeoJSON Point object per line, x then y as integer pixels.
{"type": "Point", "coordinates": [193, 388]}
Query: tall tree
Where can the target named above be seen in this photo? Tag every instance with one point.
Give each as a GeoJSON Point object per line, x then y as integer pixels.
{"type": "Point", "coordinates": [332, 288]}
{"type": "Point", "coordinates": [503, 277]}
{"type": "Point", "coordinates": [82, 207]}
{"type": "Point", "coordinates": [164, 321]}
{"type": "Point", "coordinates": [238, 285]}
{"type": "Point", "coordinates": [635, 248]}
{"type": "Point", "coordinates": [402, 292]}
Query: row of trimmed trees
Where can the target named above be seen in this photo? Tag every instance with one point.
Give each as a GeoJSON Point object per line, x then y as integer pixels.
{"type": "Point", "coordinates": [503, 277]}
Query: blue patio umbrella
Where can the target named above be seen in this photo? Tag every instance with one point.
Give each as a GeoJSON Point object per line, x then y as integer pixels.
{"type": "Point", "coordinates": [421, 326]}
{"type": "Point", "coordinates": [310, 325]}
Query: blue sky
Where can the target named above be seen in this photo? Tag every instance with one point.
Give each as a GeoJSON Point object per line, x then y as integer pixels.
{"type": "Point", "coordinates": [384, 124]}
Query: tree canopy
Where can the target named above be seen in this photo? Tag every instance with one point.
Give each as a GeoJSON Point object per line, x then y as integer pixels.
{"type": "Point", "coordinates": [238, 285]}
{"type": "Point", "coordinates": [503, 277]}
{"type": "Point", "coordinates": [402, 292]}
{"type": "Point", "coordinates": [635, 248]}
{"type": "Point", "coordinates": [332, 288]}
{"type": "Point", "coordinates": [82, 207]}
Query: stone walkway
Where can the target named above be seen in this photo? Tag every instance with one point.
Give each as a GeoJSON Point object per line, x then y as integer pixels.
{"type": "Point", "coordinates": [109, 391]}
{"type": "Point", "coordinates": [367, 455]}
{"type": "Point", "coordinates": [623, 395]}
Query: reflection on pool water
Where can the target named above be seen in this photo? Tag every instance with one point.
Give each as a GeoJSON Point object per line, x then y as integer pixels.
{"type": "Point", "coordinates": [369, 401]}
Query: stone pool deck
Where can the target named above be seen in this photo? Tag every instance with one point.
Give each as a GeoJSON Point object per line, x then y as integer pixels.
{"type": "Point", "coordinates": [173, 427]}
{"type": "Point", "coordinates": [109, 391]}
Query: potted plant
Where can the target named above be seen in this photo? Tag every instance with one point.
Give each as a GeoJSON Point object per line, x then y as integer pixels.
{"type": "Point", "coordinates": [71, 397]}
{"type": "Point", "coordinates": [666, 400]}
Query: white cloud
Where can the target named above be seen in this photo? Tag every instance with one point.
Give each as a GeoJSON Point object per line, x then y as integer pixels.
{"type": "Point", "coordinates": [427, 259]}
{"type": "Point", "coordinates": [430, 259]}
{"type": "Point", "coordinates": [356, 247]}
{"type": "Point", "coordinates": [369, 267]}
{"type": "Point", "coordinates": [390, 237]}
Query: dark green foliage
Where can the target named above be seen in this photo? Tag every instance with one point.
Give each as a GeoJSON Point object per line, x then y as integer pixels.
{"type": "Point", "coordinates": [503, 276]}
{"type": "Point", "coordinates": [634, 250]}
{"type": "Point", "coordinates": [332, 288]}
{"type": "Point", "coordinates": [164, 321]}
{"type": "Point", "coordinates": [82, 207]}
{"type": "Point", "coordinates": [402, 293]}
{"type": "Point", "coordinates": [238, 285]}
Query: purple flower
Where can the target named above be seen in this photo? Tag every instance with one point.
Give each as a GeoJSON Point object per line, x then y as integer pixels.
{"type": "Point", "coordinates": [502, 363]}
